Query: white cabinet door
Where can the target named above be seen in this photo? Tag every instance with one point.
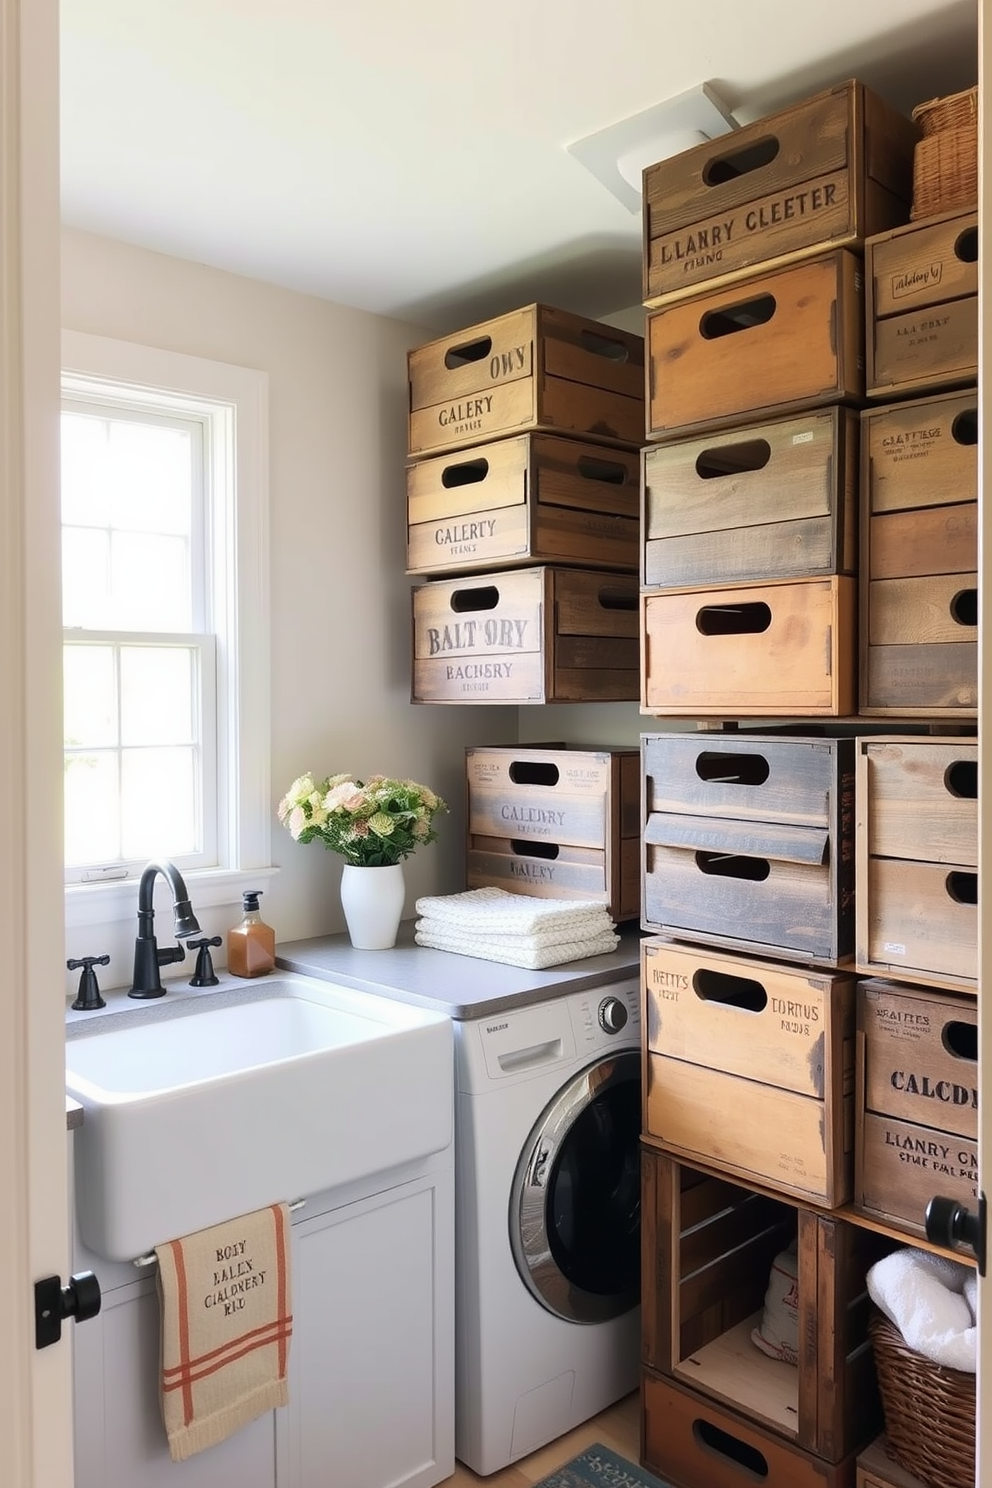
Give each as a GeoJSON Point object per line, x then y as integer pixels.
{"type": "Point", "coordinates": [371, 1386]}
{"type": "Point", "coordinates": [120, 1438]}
{"type": "Point", "coordinates": [371, 1362]}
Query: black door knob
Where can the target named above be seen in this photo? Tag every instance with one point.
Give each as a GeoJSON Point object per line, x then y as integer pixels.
{"type": "Point", "coordinates": [950, 1223]}
{"type": "Point", "coordinates": [53, 1302]}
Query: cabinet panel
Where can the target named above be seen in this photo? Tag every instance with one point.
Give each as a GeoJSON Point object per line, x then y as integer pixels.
{"type": "Point", "coordinates": [368, 1366]}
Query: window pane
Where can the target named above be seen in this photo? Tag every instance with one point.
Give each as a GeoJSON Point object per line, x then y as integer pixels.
{"type": "Point", "coordinates": [92, 820]}
{"type": "Point", "coordinates": [151, 585]}
{"type": "Point", "coordinates": [85, 474]}
{"type": "Point", "coordinates": [151, 482]}
{"type": "Point", "coordinates": [90, 696]}
{"type": "Point", "coordinates": [158, 802]}
{"type": "Point", "coordinates": [156, 695]}
{"type": "Point", "coordinates": [85, 578]}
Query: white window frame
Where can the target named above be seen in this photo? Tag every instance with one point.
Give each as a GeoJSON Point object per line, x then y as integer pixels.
{"type": "Point", "coordinates": [234, 400]}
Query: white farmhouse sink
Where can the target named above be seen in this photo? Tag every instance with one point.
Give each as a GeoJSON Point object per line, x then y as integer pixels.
{"type": "Point", "coordinates": [201, 1109]}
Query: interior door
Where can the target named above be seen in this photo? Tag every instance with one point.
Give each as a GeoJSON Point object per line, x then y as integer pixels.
{"type": "Point", "coordinates": [35, 1401]}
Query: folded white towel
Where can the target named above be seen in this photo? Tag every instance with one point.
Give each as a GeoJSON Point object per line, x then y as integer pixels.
{"type": "Point", "coordinates": [587, 928]}
{"type": "Point", "coordinates": [932, 1301]}
{"type": "Point", "coordinates": [534, 958]}
{"type": "Point", "coordinates": [485, 910]}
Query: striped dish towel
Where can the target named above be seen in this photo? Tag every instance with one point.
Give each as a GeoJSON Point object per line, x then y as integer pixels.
{"type": "Point", "coordinates": [226, 1324]}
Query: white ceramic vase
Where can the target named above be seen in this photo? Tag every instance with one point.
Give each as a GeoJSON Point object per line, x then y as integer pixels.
{"type": "Point", "coordinates": [372, 900]}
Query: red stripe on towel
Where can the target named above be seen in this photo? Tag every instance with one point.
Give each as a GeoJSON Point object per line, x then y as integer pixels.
{"type": "Point", "coordinates": [193, 1374]}
{"type": "Point", "coordinates": [253, 1333]}
{"type": "Point", "coordinates": [180, 1260]}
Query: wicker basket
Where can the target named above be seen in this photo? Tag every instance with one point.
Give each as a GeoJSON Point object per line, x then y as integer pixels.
{"type": "Point", "coordinates": [945, 160]}
{"type": "Point", "coordinates": [952, 112]}
{"type": "Point", "coordinates": [929, 1410]}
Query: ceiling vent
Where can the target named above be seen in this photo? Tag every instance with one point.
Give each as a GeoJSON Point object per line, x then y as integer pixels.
{"type": "Point", "coordinates": [617, 155]}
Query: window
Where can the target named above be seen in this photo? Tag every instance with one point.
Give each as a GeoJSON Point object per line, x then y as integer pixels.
{"type": "Point", "coordinates": [140, 695]}
{"type": "Point", "coordinates": [164, 593]}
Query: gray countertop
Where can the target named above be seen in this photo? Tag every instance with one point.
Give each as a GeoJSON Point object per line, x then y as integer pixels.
{"type": "Point", "coordinates": [462, 986]}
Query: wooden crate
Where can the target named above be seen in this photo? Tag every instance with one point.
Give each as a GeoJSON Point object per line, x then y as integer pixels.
{"type": "Point", "coordinates": [534, 499]}
{"type": "Point", "coordinates": [709, 1246]}
{"type": "Point", "coordinates": [780, 341]}
{"type": "Point", "coordinates": [917, 1117]}
{"type": "Point", "coordinates": [535, 368]}
{"type": "Point", "coordinates": [763, 502]}
{"type": "Point", "coordinates": [556, 822]}
{"type": "Point", "coordinates": [917, 860]}
{"type": "Point", "coordinates": [749, 843]}
{"type": "Point", "coordinates": [824, 173]}
{"type": "Point", "coordinates": [922, 306]}
{"type": "Point", "coordinates": [692, 1443]}
{"type": "Point", "coordinates": [876, 1469]}
{"type": "Point", "coordinates": [919, 547]}
{"type": "Point", "coordinates": [530, 635]}
{"type": "Point", "coordinates": [779, 650]}
{"type": "Point", "coordinates": [769, 1045]}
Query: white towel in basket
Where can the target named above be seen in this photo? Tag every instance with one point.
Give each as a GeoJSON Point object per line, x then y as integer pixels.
{"type": "Point", "coordinates": [933, 1302]}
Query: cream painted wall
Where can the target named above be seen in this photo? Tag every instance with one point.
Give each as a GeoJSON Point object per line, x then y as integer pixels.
{"type": "Point", "coordinates": [339, 597]}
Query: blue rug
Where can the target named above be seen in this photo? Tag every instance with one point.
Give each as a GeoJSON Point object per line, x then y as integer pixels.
{"type": "Point", "coordinates": [598, 1467]}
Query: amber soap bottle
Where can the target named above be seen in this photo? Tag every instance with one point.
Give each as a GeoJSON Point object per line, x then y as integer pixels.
{"type": "Point", "coordinates": [251, 946]}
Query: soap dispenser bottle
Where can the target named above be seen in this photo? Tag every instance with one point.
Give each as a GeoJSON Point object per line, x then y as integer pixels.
{"type": "Point", "coordinates": [251, 946]}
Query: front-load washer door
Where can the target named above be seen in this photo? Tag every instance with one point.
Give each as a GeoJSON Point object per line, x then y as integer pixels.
{"type": "Point", "coordinates": [575, 1205]}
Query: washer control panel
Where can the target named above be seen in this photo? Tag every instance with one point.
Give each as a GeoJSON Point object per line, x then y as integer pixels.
{"type": "Point", "coordinates": [602, 1013]}
{"type": "Point", "coordinates": [612, 1014]}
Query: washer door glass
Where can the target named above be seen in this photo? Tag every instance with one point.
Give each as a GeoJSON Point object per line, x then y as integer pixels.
{"type": "Point", "coordinates": [575, 1205]}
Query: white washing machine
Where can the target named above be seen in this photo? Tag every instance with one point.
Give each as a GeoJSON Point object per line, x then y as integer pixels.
{"type": "Point", "coordinates": [547, 1219]}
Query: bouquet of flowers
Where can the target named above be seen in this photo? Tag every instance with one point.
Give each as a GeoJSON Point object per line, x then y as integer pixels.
{"type": "Point", "coordinates": [371, 823]}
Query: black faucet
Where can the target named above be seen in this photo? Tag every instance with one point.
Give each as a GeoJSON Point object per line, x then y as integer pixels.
{"type": "Point", "coordinates": [147, 956]}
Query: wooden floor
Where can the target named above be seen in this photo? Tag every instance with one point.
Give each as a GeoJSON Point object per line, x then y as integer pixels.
{"type": "Point", "coordinates": [618, 1428]}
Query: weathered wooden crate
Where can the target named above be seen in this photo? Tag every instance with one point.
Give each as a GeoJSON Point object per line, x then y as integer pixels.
{"type": "Point", "coordinates": [824, 173]}
{"type": "Point", "coordinates": [530, 635]}
{"type": "Point", "coordinates": [690, 1441]}
{"type": "Point", "coordinates": [876, 1469]}
{"type": "Point", "coordinates": [709, 1246]}
{"type": "Point", "coordinates": [749, 843]}
{"type": "Point", "coordinates": [556, 822]}
{"type": "Point", "coordinates": [779, 341]}
{"type": "Point", "coordinates": [535, 368]}
{"type": "Point", "coordinates": [919, 550]}
{"type": "Point", "coordinates": [917, 1116]}
{"type": "Point", "coordinates": [533, 499]}
{"type": "Point", "coordinates": [780, 650]}
{"type": "Point", "coordinates": [771, 1047]}
{"type": "Point", "coordinates": [763, 502]}
{"type": "Point", "coordinates": [917, 860]}
{"type": "Point", "coordinates": [922, 306]}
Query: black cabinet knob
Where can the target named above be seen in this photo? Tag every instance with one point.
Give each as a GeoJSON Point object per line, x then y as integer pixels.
{"type": "Point", "coordinates": [53, 1303]}
{"type": "Point", "coordinates": [950, 1224]}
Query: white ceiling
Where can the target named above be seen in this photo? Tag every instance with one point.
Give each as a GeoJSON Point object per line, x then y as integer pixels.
{"type": "Point", "coordinates": [408, 156]}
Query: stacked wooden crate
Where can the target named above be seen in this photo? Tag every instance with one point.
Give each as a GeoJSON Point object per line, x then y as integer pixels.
{"type": "Point", "coordinates": [758, 338]}
{"type": "Point", "coordinates": [756, 333]}
{"type": "Point", "coordinates": [917, 799]}
{"type": "Point", "coordinates": [556, 822]}
{"type": "Point", "coordinates": [522, 511]}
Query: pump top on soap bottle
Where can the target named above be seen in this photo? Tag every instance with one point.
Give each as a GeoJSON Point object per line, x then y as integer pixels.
{"type": "Point", "coordinates": [251, 946]}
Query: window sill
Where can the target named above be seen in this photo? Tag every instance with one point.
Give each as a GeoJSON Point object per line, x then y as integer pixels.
{"type": "Point", "coordinates": [105, 903]}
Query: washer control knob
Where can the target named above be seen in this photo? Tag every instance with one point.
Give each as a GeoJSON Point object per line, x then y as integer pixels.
{"type": "Point", "coordinates": [612, 1014]}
